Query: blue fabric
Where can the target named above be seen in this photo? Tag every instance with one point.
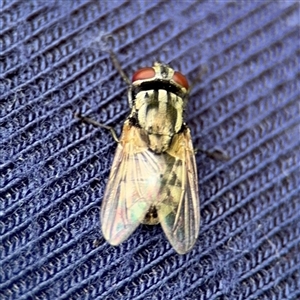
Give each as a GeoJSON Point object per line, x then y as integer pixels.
{"type": "Point", "coordinates": [243, 59]}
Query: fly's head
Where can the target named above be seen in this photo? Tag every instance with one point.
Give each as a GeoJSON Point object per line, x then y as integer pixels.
{"type": "Point", "coordinates": [160, 76]}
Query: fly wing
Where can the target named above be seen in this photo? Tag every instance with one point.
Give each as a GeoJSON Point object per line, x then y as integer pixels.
{"type": "Point", "coordinates": [179, 211]}
{"type": "Point", "coordinates": [131, 188]}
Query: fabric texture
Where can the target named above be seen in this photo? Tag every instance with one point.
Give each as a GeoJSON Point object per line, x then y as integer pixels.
{"type": "Point", "coordinates": [243, 60]}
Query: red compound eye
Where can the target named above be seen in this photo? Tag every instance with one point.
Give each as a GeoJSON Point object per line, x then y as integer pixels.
{"type": "Point", "coordinates": [181, 80]}
{"type": "Point", "coordinates": [145, 73]}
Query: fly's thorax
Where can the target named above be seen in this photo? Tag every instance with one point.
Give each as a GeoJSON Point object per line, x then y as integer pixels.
{"type": "Point", "coordinates": [160, 114]}
{"type": "Point", "coordinates": [159, 111]}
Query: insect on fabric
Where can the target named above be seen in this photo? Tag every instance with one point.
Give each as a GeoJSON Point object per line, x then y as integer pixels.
{"type": "Point", "coordinates": [153, 178]}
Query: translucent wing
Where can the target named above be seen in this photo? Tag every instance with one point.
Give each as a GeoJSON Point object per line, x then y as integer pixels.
{"type": "Point", "coordinates": [132, 186]}
{"type": "Point", "coordinates": [179, 211]}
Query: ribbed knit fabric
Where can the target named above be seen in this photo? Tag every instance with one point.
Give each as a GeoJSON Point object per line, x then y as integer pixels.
{"type": "Point", "coordinates": [243, 60]}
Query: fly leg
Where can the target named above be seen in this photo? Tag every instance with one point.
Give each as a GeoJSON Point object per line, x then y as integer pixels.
{"type": "Point", "coordinates": [218, 154]}
{"type": "Point", "coordinates": [117, 65]}
{"type": "Point", "coordinates": [95, 123]}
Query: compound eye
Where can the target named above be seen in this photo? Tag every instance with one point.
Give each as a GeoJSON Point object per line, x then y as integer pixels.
{"type": "Point", "coordinates": [181, 80]}
{"type": "Point", "coordinates": [144, 73]}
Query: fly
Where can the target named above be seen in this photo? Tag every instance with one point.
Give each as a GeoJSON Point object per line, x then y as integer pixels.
{"type": "Point", "coordinates": [153, 178]}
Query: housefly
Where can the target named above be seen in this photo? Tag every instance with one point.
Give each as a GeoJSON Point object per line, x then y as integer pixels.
{"type": "Point", "coordinates": [153, 178]}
